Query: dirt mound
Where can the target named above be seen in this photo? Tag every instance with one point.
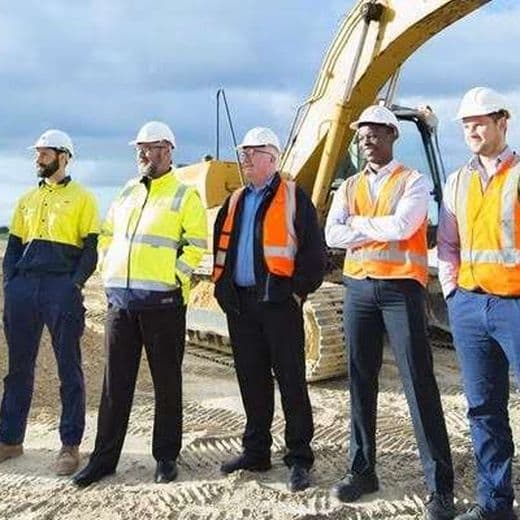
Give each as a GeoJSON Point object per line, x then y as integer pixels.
{"type": "Point", "coordinates": [213, 425]}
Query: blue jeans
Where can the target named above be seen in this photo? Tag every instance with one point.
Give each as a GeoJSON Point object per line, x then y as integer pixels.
{"type": "Point", "coordinates": [486, 331]}
{"type": "Point", "coordinates": [30, 303]}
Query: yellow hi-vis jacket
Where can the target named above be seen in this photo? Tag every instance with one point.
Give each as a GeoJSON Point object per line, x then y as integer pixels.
{"type": "Point", "coordinates": [153, 238]}
{"type": "Point", "coordinates": [396, 259]}
{"type": "Point", "coordinates": [489, 229]}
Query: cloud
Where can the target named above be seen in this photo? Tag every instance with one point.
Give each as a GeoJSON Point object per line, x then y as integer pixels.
{"type": "Point", "coordinates": [100, 69]}
{"type": "Point", "coordinates": [474, 51]}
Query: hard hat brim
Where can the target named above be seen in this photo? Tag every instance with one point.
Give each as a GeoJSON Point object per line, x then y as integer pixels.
{"type": "Point", "coordinates": [135, 142]}
{"type": "Point", "coordinates": [60, 148]}
{"type": "Point", "coordinates": [356, 124]}
{"type": "Point", "coordinates": [461, 116]}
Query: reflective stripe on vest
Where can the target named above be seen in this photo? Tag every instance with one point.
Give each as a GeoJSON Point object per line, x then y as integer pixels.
{"type": "Point", "coordinates": [147, 285]}
{"type": "Point", "coordinates": [155, 241]}
{"type": "Point", "coordinates": [394, 259]}
{"type": "Point", "coordinates": [488, 223]}
{"type": "Point", "coordinates": [279, 235]}
{"type": "Point", "coordinates": [392, 254]}
{"type": "Point", "coordinates": [179, 195]}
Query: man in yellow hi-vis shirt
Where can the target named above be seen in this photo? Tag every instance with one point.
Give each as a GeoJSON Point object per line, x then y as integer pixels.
{"type": "Point", "coordinates": [152, 240]}
{"type": "Point", "coordinates": [50, 254]}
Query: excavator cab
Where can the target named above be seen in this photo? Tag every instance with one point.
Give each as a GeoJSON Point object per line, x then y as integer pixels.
{"type": "Point", "coordinates": [325, 354]}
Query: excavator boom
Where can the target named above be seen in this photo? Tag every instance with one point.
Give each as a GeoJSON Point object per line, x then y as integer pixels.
{"type": "Point", "coordinates": [372, 43]}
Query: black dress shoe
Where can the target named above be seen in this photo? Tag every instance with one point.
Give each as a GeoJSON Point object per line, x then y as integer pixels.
{"type": "Point", "coordinates": [91, 473]}
{"type": "Point", "coordinates": [354, 485]}
{"type": "Point", "coordinates": [166, 471]}
{"type": "Point", "coordinates": [479, 513]}
{"type": "Point", "coordinates": [299, 478]}
{"type": "Point", "coordinates": [245, 462]}
{"type": "Point", "coordinates": [440, 506]}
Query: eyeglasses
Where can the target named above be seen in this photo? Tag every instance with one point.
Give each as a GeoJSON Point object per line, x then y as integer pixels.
{"type": "Point", "coordinates": [146, 148]}
{"type": "Point", "coordinates": [245, 153]}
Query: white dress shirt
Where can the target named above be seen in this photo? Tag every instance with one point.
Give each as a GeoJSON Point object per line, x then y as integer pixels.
{"type": "Point", "coordinates": [349, 231]}
{"type": "Point", "coordinates": [448, 240]}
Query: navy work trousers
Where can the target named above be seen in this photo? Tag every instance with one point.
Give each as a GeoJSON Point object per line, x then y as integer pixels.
{"type": "Point", "coordinates": [371, 306]}
{"type": "Point", "coordinates": [269, 337]}
{"type": "Point", "coordinates": [487, 339]}
{"type": "Point", "coordinates": [163, 333]}
{"type": "Point", "coordinates": [30, 303]}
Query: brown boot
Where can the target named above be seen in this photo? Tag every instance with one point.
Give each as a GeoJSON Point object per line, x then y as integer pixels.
{"type": "Point", "coordinates": [10, 451]}
{"type": "Point", "coordinates": [67, 461]}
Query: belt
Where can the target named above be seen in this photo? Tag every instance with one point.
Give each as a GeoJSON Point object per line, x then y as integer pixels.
{"type": "Point", "coordinates": [251, 289]}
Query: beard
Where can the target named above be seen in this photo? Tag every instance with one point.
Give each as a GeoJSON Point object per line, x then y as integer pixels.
{"type": "Point", "coordinates": [48, 170]}
{"type": "Point", "coordinates": [151, 170]}
{"type": "Point", "coordinates": [148, 170]}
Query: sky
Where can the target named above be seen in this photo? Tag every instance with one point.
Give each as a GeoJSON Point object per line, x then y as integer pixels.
{"type": "Point", "coordinates": [99, 69]}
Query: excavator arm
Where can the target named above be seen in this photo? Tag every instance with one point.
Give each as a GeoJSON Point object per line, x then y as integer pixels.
{"type": "Point", "coordinates": [372, 43]}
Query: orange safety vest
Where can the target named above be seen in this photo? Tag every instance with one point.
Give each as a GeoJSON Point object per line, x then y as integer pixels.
{"type": "Point", "coordinates": [489, 228]}
{"type": "Point", "coordinates": [279, 236]}
{"type": "Point", "coordinates": [394, 259]}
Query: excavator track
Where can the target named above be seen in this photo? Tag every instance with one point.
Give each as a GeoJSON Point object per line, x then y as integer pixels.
{"type": "Point", "coordinates": [325, 354]}
{"type": "Point", "coordinates": [324, 344]}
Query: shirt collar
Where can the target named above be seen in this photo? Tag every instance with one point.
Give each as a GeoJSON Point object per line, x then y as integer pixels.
{"type": "Point", "coordinates": [251, 188]}
{"type": "Point", "coordinates": [62, 183]}
{"type": "Point", "coordinates": [504, 155]}
{"type": "Point", "coordinates": [384, 170]}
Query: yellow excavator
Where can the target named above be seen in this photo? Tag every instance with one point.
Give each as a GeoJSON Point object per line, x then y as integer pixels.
{"type": "Point", "coordinates": [372, 43]}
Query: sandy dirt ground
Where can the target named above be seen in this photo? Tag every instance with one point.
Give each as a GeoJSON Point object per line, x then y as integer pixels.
{"type": "Point", "coordinates": [213, 425]}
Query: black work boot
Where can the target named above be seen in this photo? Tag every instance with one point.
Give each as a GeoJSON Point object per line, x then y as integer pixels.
{"type": "Point", "coordinates": [440, 506]}
{"type": "Point", "coordinates": [245, 462]}
{"type": "Point", "coordinates": [354, 485]}
{"type": "Point", "coordinates": [91, 473]}
{"type": "Point", "coordinates": [166, 471]}
{"type": "Point", "coordinates": [299, 478]}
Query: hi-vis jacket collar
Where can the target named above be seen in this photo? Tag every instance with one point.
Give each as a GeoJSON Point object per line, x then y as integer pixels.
{"type": "Point", "coordinates": [148, 181]}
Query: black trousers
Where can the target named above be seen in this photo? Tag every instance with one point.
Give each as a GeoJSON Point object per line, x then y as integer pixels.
{"type": "Point", "coordinates": [162, 331]}
{"type": "Point", "coordinates": [371, 306]}
{"type": "Point", "coordinates": [269, 337]}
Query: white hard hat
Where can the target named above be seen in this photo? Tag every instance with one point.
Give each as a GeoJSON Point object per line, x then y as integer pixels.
{"type": "Point", "coordinates": [154, 131]}
{"type": "Point", "coordinates": [379, 115]}
{"type": "Point", "coordinates": [260, 136]}
{"type": "Point", "coordinates": [481, 101]}
{"type": "Point", "coordinates": [54, 139]}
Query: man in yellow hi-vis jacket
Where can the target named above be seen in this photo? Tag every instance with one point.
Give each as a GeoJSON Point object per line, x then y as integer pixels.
{"type": "Point", "coordinates": [153, 238]}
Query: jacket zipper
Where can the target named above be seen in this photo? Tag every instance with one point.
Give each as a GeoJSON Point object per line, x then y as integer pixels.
{"type": "Point", "coordinates": [133, 235]}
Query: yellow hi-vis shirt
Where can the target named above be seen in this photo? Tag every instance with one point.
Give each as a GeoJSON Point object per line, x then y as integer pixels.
{"type": "Point", "coordinates": [52, 222]}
